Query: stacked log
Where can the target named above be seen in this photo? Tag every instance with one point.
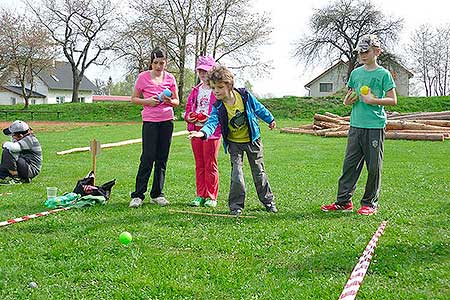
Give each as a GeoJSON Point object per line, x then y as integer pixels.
{"type": "Point", "coordinates": [425, 126]}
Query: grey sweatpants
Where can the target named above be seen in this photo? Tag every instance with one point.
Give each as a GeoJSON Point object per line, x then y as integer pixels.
{"type": "Point", "coordinates": [363, 145]}
{"type": "Point", "coordinates": [254, 153]}
{"type": "Point", "coordinates": [13, 162]}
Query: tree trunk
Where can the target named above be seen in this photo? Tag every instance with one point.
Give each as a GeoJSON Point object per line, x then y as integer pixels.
{"type": "Point", "coordinates": [26, 97]}
{"type": "Point", "coordinates": [75, 87]}
{"type": "Point", "coordinates": [181, 78]}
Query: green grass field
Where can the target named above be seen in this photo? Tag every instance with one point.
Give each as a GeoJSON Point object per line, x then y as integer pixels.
{"type": "Point", "coordinates": [299, 253]}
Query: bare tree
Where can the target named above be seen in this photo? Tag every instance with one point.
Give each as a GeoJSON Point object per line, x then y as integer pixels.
{"type": "Point", "coordinates": [4, 66]}
{"type": "Point", "coordinates": [221, 28]}
{"type": "Point", "coordinates": [171, 21]}
{"type": "Point", "coordinates": [136, 41]}
{"type": "Point", "coordinates": [337, 28]}
{"type": "Point", "coordinates": [29, 48]}
{"type": "Point", "coordinates": [441, 55]}
{"type": "Point", "coordinates": [3, 61]}
{"type": "Point", "coordinates": [228, 28]}
{"type": "Point", "coordinates": [429, 56]}
{"type": "Point", "coordinates": [81, 28]}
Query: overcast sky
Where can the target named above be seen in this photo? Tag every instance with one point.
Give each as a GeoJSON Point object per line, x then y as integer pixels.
{"type": "Point", "coordinates": [290, 20]}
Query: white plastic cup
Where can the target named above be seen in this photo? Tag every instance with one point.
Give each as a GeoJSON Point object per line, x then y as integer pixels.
{"type": "Point", "coordinates": [52, 192]}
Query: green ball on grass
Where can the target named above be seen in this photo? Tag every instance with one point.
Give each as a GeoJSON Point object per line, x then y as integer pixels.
{"type": "Point", "coordinates": [125, 238]}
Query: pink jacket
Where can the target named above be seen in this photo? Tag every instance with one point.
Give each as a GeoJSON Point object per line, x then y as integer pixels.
{"type": "Point", "coordinates": [191, 105]}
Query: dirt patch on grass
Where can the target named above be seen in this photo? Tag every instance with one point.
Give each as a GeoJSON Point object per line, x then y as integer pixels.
{"type": "Point", "coordinates": [54, 126]}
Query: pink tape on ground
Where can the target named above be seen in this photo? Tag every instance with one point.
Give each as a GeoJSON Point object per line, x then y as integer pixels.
{"type": "Point", "coordinates": [359, 271]}
{"type": "Point", "coordinates": [26, 218]}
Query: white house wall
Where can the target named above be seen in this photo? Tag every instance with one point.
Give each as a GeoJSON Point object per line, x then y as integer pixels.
{"type": "Point", "coordinates": [41, 88]}
{"type": "Point", "coordinates": [67, 94]}
{"type": "Point", "coordinates": [337, 77]}
{"type": "Point", "coordinates": [6, 98]}
{"type": "Point", "coordinates": [401, 81]}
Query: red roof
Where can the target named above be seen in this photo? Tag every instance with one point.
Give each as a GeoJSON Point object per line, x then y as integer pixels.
{"type": "Point", "coordinates": [101, 98]}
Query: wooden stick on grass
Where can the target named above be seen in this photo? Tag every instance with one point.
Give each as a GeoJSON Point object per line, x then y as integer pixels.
{"type": "Point", "coordinates": [209, 214]}
{"type": "Point", "coordinates": [117, 144]}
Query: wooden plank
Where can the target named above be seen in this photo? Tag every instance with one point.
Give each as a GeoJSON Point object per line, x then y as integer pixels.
{"type": "Point", "coordinates": [442, 123]}
{"type": "Point", "coordinates": [320, 117]}
{"type": "Point", "coordinates": [110, 145]}
{"type": "Point", "coordinates": [209, 214]}
{"type": "Point", "coordinates": [297, 130]}
{"type": "Point", "coordinates": [396, 135]}
{"type": "Point", "coordinates": [337, 134]}
{"type": "Point", "coordinates": [401, 124]}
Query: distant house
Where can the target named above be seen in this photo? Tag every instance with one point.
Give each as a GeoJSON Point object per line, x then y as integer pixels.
{"type": "Point", "coordinates": [49, 88]}
{"type": "Point", "coordinates": [335, 78]}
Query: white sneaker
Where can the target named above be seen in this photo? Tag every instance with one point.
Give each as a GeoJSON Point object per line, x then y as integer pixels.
{"type": "Point", "coordinates": [160, 201]}
{"type": "Point", "coordinates": [136, 202]}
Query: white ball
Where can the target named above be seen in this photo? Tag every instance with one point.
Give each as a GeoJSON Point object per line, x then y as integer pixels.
{"type": "Point", "coordinates": [33, 285]}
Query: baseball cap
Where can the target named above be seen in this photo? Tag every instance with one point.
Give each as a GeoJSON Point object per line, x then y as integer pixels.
{"type": "Point", "coordinates": [205, 63]}
{"type": "Point", "coordinates": [367, 41]}
{"type": "Point", "coordinates": [15, 127]}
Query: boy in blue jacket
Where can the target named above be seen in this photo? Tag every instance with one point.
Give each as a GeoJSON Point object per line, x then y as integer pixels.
{"type": "Point", "coordinates": [236, 110]}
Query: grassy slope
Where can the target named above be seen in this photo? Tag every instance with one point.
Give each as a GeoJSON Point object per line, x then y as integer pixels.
{"type": "Point", "coordinates": [300, 253]}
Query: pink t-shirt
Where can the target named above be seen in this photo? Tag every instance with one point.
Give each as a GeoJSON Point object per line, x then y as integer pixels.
{"type": "Point", "coordinates": [148, 88]}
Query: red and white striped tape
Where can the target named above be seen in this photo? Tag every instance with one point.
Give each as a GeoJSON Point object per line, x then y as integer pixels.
{"type": "Point", "coordinates": [357, 276]}
{"type": "Point", "coordinates": [26, 218]}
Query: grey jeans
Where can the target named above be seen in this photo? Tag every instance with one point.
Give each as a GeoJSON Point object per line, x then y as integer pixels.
{"type": "Point", "coordinates": [363, 145]}
{"type": "Point", "coordinates": [254, 153]}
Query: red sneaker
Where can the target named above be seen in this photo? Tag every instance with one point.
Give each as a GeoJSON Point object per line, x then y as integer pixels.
{"type": "Point", "coordinates": [336, 207]}
{"type": "Point", "coordinates": [367, 210]}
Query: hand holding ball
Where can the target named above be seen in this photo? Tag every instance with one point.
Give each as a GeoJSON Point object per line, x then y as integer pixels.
{"type": "Point", "coordinates": [201, 117]}
{"type": "Point", "coordinates": [166, 92]}
{"type": "Point", "coordinates": [364, 90]}
{"type": "Point", "coordinates": [125, 238]}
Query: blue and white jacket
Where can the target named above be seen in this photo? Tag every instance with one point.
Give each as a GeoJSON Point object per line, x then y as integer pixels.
{"type": "Point", "coordinates": [253, 110]}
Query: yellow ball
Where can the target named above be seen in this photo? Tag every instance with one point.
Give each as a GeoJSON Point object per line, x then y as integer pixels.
{"type": "Point", "coordinates": [364, 90]}
{"type": "Point", "coordinates": [125, 238]}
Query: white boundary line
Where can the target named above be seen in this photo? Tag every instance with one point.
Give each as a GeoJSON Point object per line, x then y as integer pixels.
{"type": "Point", "coordinates": [358, 273]}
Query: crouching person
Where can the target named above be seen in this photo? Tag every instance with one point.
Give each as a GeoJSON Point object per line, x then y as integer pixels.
{"type": "Point", "coordinates": [22, 156]}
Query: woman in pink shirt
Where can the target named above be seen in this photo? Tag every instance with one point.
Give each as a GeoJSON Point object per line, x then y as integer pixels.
{"type": "Point", "coordinates": [198, 108]}
{"type": "Point", "coordinates": [157, 127]}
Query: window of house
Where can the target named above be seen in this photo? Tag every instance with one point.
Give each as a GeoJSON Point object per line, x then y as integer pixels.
{"type": "Point", "coordinates": [33, 101]}
{"type": "Point", "coordinates": [81, 99]}
{"type": "Point", "coordinates": [13, 101]}
{"type": "Point", "coordinates": [60, 99]}
{"type": "Point", "coordinates": [326, 87]}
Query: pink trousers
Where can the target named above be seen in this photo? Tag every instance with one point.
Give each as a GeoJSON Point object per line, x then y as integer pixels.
{"type": "Point", "coordinates": [206, 169]}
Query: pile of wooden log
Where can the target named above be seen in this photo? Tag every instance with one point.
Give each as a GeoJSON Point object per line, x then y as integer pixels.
{"type": "Point", "coordinates": [426, 126]}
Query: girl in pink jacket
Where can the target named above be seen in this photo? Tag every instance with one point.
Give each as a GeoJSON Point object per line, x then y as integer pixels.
{"type": "Point", "coordinates": [198, 108]}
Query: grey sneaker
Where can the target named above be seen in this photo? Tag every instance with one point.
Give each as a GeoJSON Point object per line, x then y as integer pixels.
{"type": "Point", "coordinates": [161, 201]}
{"type": "Point", "coordinates": [136, 202]}
{"type": "Point", "coordinates": [271, 207]}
